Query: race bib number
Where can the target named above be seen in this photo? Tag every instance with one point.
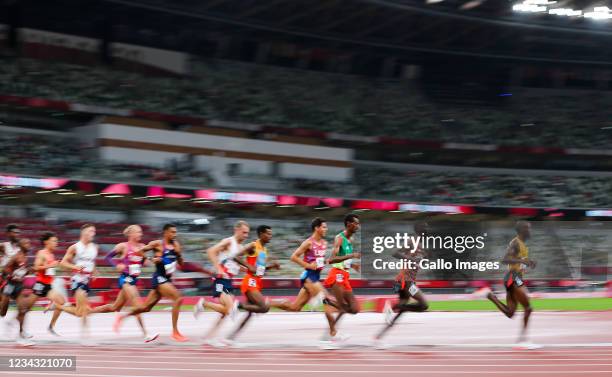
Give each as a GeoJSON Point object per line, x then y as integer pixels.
{"type": "Point", "coordinates": [413, 290]}
{"type": "Point", "coordinates": [339, 278]}
{"type": "Point", "coordinates": [320, 262]}
{"type": "Point", "coordinates": [8, 289]}
{"type": "Point", "coordinates": [231, 267]}
{"type": "Point", "coordinates": [129, 279]}
{"type": "Point", "coordinates": [37, 287]}
{"type": "Point", "coordinates": [170, 268]}
{"type": "Point", "coordinates": [261, 270]}
{"type": "Point", "coordinates": [50, 271]}
{"type": "Point", "coordinates": [219, 287]}
{"type": "Point", "coordinates": [252, 283]}
{"type": "Point", "coordinates": [347, 263]}
{"type": "Point", "coordinates": [518, 281]}
{"type": "Point", "coordinates": [161, 280]}
{"type": "Point", "coordinates": [134, 269]}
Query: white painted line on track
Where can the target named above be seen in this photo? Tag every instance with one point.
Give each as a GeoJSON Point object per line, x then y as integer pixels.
{"type": "Point", "coordinates": [413, 372]}
{"type": "Point", "coordinates": [154, 359]}
{"type": "Point", "coordinates": [360, 365]}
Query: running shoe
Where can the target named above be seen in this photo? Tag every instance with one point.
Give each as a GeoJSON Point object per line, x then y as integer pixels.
{"type": "Point", "coordinates": [216, 343]}
{"type": "Point", "coordinates": [25, 335]}
{"type": "Point", "coordinates": [317, 301]}
{"type": "Point", "coordinates": [25, 342]}
{"type": "Point", "coordinates": [51, 331]}
{"type": "Point", "coordinates": [329, 345]}
{"type": "Point", "coordinates": [380, 345]}
{"type": "Point", "coordinates": [151, 338]}
{"type": "Point", "coordinates": [340, 337]}
{"type": "Point", "coordinates": [388, 311]}
{"type": "Point", "coordinates": [526, 346]}
{"type": "Point", "coordinates": [199, 308]}
{"type": "Point", "coordinates": [178, 337]}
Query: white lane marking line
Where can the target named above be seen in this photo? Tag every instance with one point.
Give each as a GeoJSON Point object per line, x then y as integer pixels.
{"type": "Point", "coordinates": [347, 358]}
{"type": "Point", "coordinates": [422, 347]}
{"type": "Point", "coordinates": [205, 351]}
{"type": "Point", "coordinates": [201, 351]}
{"type": "Point", "coordinates": [329, 371]}
{"type": "Point", "coordinates": [514, 366]}
{"type": "Point", "coordinates": [360, 365]}
{"type": "Point", "coordinates": [23, 373]}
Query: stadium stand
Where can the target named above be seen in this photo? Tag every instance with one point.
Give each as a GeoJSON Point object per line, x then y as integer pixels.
{"type": "Point", "coordinates": [65, 156]}
{"type": "Point", "coordinates": [62, 156]}
{"type": "Point", "coordinates": [224, 90]}
{"type": "Point", "coordinates": [485, 189]}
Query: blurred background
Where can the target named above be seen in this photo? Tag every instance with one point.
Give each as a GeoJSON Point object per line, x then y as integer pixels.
{"type": "Point", "coordinates": [277, 111]}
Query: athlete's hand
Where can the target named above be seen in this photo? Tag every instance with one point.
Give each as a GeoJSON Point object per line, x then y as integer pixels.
{"type": "Point", "coordinates": [251, 269]}
{"type": "Point", "coordinates": [275, 265]}
{"type": "Point", "coordinates": [120, 267]}
{"type": "Point", "coordinates": [54, 264]}
{"type": "Point", "coordinates": [311, 266]}
{"type": "Point", "coordinates": [156, 260]}
{"type": "Point", "coordinates": [356, 255]}
{"type": "Point", "coordinates": [356, 267]}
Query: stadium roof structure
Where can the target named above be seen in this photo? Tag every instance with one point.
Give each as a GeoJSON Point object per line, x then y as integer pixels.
{"type": "Point", "coordinates": [532, 30]}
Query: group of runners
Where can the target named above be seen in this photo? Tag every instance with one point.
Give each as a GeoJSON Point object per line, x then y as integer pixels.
{"type": "Point", "coordinates": [229, 257]}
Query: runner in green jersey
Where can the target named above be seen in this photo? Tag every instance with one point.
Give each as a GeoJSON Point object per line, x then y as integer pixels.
{"type": "Point", "coordinates": [338, 280]}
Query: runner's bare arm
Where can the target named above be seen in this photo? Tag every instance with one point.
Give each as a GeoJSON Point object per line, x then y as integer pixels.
{"type": "Point", "coordinates": [94, 272]}
{"type": "Point", "coordinates": [40, 263]}
{"type": "Point", "coordinates": [273, 265]}
{"type": "Point", "coordinates": [246, 250]}
{"type": "Point", "coordinates": [117, 252]}
{"type": "Point", "coordinates": [296, 256]}
{"type": "Point", "coordinates": [157, 254]}
{"type": "Point", "coordinates": [67, 259]}
{"type": "Point", "coordinates": [334, 258]}
{"type": "Point", "coordinates": [337, 259]}
{"type": "Point", "coordinates": [512, 255]}
{"type": "Point", "coordinates": [178, 249]}
{"type": "Point", "coordinates": [10, 265]}
{"type": "Point", "coordinates": [213, 253]}
{"type": "Point", "coordinates": [153, 245]}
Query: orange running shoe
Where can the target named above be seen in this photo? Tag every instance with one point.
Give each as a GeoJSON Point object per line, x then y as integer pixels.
{"type": "Point", "coordinates": [178, 337]}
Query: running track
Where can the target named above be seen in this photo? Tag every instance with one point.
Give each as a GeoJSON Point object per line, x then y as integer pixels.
{"type": "Point", "coordinates": [430, 344]}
